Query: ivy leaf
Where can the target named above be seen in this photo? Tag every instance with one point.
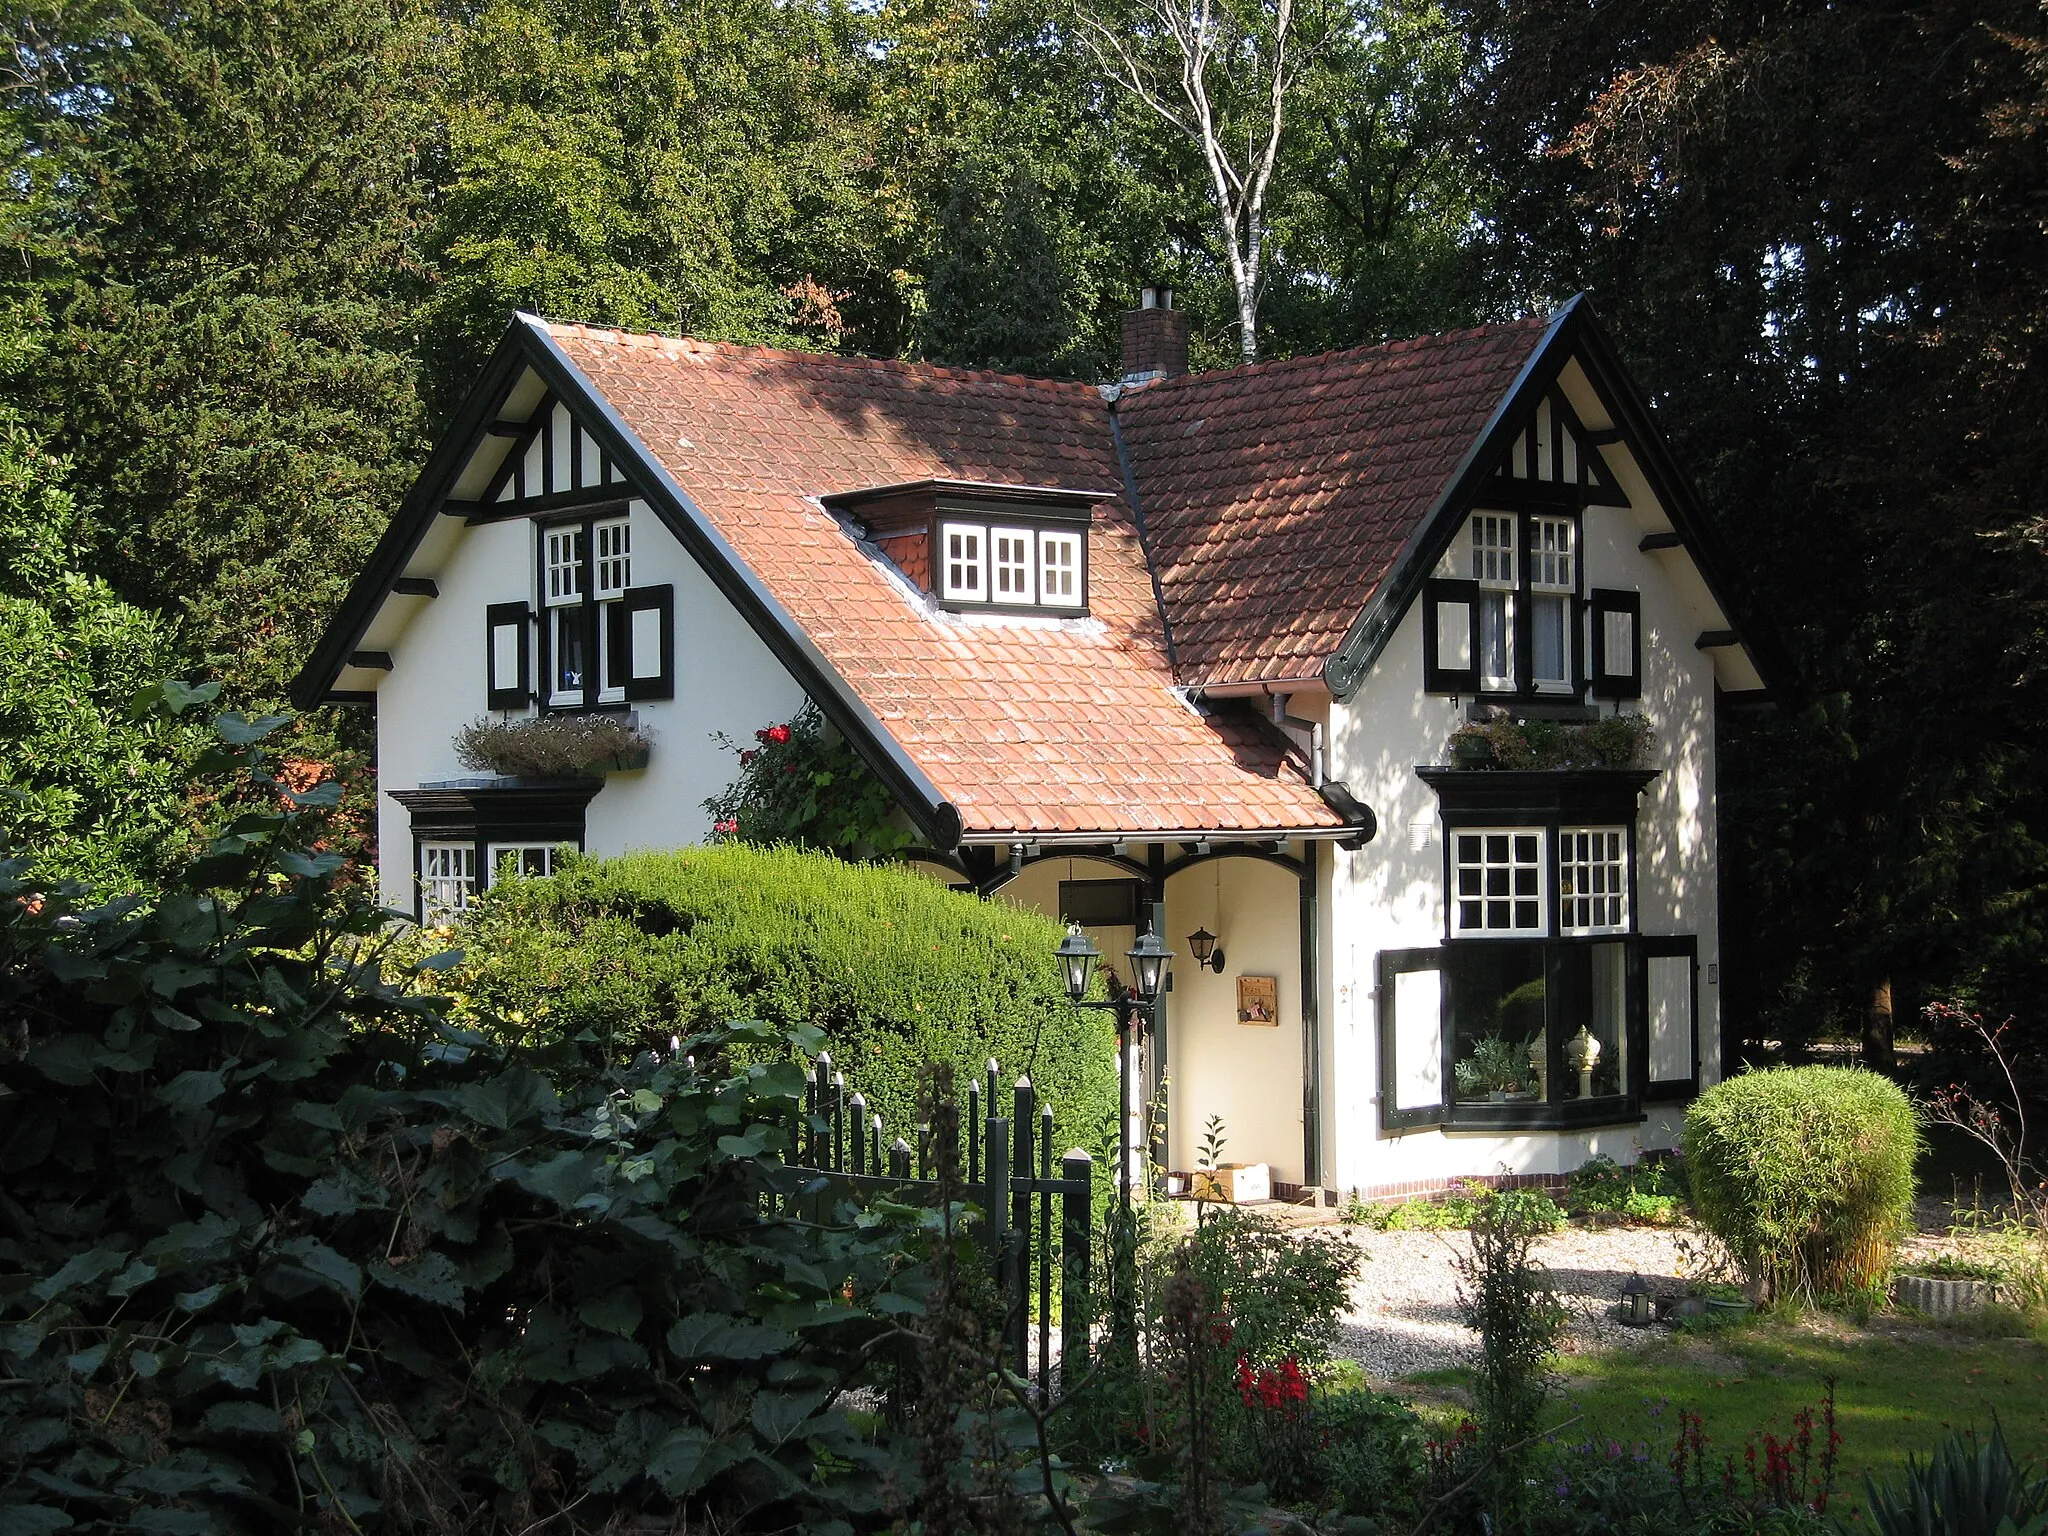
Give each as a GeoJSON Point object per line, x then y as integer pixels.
{"type": "Point", "coordinates": [707, 1336]}
{"type": "Point", "coordinates": [241, 1418]}
{"type": "Point", "coordinates": [686, 1460]}
{"type": "Point", "coordinates": [32, 1519]}
{"type": "Point", "coordinates": [430, 1277]}
{"type": "Point", "coordinates": [190, 1092]}
{"type": "Point", "coordinates": [616, 1311]}
{"type": "Point", "coordinates": [779, 1415]}
{"type": "Point", "coordinates": [509, 1099]}
{"type": "Point", "coordinates": [67, 1059]}
{"type": "Point", "coordinates": [322, 1262]}
{"type": "Point", "coordinates": [238, 730]}
{"type": "Point", "coordinates": [80, 1269]}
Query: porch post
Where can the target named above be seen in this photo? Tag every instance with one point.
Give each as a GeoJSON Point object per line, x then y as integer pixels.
{"type": "Point", "coordinates": [1311, 1031]}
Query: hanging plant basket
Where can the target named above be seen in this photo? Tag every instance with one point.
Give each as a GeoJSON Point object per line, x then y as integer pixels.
{"type": "Point", "coordinates": [553, 746]}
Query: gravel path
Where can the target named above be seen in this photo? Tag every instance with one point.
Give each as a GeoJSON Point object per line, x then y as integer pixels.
{"type": "Point", "coordinates": [1404, 1313]}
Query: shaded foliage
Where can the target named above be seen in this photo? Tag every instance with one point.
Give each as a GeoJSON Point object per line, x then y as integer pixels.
{"type": "Point", "coordinates": [279, 1246]}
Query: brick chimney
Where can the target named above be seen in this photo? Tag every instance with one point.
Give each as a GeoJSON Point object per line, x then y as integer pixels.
{"type": "Point", "coordinates": [1155, 338]}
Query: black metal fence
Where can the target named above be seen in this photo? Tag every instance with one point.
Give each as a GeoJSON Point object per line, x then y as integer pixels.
{"type": "Point", "coordinates": [1039, 1255]}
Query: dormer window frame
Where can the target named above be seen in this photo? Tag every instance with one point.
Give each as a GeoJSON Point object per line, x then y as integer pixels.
{"type": "Point", "coordinates": [1012, 585]}
{"type": "Point", "coordinates": [972, 532]}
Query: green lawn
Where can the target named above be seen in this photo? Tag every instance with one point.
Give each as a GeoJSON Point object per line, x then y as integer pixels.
{"type": "Point", "coordinates": [1898, 1388]}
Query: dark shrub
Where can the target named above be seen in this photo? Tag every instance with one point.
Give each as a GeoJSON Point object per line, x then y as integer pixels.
{"type": "Point", "coordinates": [1806, 1173]}
{"type": "Point", "coordinates": [897, 970]}
{"type": "Point", "coordinates": [281, 1250]}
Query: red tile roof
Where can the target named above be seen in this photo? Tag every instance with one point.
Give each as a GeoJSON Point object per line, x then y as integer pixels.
{"type": "Point", "coordinates": [1277, 496]}
{"type": "Point", "coordinates": [1027, 727]}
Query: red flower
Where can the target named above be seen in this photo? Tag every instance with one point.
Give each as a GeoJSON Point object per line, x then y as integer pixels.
{"type": "Point", "coordinates": [778, 734]}
{"type": "Point", "coordinates": [727, 827]}
{"type": "Point", "coordinates": [747, 757]}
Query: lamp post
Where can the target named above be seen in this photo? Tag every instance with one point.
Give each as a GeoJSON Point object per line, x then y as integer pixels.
{"type": "Point", "coordinates": [1149, 959]}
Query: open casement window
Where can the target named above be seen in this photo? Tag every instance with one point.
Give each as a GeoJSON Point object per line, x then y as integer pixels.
{"type": "Point", "coordinates": [1617, 670]}
{"type": "Point", "coordinates": [507, 656]}
{"type": "Point", "coordinates": [1498, 574]}
{"type": "Point", "coordinates": [604, 640]}
{"type": "Point", "coordinates": [1413, 1093]}
{"type": "Point", "coordinates": [1450, 636]}
{"type": "Point", "coordinates": [447, 877]}
{"type": "Point", "coordinates": [1670, 991]}
{"type": "Point", "coordinates": [1553, 600]}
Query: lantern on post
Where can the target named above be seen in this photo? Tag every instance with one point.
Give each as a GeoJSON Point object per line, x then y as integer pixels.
{"type": "Point", "coordinates": [1635, 1302]}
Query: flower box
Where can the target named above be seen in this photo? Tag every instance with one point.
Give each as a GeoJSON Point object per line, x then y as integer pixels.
{"type": "Point", "coordinates": [1942, 1297]}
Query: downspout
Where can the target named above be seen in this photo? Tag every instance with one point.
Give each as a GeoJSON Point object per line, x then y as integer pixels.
{"type": "Point", "coordinates": [1311, 1020]}
{"type": "Point", "coordinates": [1313, 728]}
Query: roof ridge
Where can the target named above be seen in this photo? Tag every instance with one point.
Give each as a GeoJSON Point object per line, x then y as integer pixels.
{"type": "Point", "coordinates": [1265, 367]}
{"type": "Point", "coordinates": [909, 366]}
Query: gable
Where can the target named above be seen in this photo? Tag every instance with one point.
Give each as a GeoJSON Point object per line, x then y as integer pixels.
{"type": "Point", "coordinates": [1573, 433]}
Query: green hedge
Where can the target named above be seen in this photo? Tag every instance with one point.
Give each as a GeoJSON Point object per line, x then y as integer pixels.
{"type": "Point", "coordinates": [1806, 1173]}
{"type": "Point", "coordinates": [896, 969]}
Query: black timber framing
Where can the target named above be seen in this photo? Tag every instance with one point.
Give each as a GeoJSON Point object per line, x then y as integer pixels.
{"type": "Point", "coordinates": [415, 586]}
{"type": "Point", "coordinates": [1574, 332]}
{"type": "Point", "coordinates": [527, 344]}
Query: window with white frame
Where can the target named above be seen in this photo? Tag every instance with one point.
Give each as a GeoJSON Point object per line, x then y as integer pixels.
{"type": "Point", "coordinates": [1552, 585]}
{"type": "Point", "coordinates": [1592, 880]}
{"type": "Point", "coordinates": [961, 552]}
{"type": "Point", "coordinates": [1059, 569]}
{"type": "Point", "coordinates": [1494, 568]}
{"type": "Point", "coordinates": [613, 573]}
{"type": "Point", "coordinates": [447, 881]}
{"type": "Point", "coordinates": [569, 637]}
{"type": "Point", "coordinates": [1011, 561]}
{"type": "Point", "coordinates": [521, 860]}
{"type": "Point", "coordinates": [1497, 881]}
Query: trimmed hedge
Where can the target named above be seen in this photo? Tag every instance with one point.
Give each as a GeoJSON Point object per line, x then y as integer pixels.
{"type": "Point", "coordinates": [1806, 1173]}
{"type": "Point", "coordinates": [896, 969]}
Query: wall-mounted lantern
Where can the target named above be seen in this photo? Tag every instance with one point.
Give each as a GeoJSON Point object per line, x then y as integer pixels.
{"type": "Point", "coordinates": [1202, 945]}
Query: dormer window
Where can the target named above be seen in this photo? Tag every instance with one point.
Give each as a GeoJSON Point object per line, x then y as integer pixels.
{"type": "Point", "coordinates": [981, 547]}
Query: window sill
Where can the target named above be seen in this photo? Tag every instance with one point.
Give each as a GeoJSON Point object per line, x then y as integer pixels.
{"type": "Point", "coordinates": [1574, 1115]}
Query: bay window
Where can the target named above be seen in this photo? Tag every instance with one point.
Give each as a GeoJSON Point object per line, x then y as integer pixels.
{"type": "Point", "coordinates": [1542, 1006]}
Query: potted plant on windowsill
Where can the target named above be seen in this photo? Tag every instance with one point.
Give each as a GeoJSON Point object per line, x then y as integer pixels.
{"type": "Point", "coordinates": [1497, 1069]}
{"type": "Point", "coordinates": [553, 746]}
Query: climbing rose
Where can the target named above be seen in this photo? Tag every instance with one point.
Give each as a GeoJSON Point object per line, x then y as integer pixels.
{"type": "Point", "coordinates": [778, 734]}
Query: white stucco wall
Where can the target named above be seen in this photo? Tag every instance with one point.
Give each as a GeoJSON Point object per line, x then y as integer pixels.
{"type": "Point", "coordinates": [1390, 895]}
{"type": "Point", "coordinates": [1248, 1074]}
{"type": "Point", "coordinates": [726, 680]}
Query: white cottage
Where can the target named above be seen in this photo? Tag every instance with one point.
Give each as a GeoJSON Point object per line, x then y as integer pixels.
{"type": "Point", "coordinates": [1186, 645]}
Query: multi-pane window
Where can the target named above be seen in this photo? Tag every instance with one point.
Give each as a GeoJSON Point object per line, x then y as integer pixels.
{"type": "Point", "coordinates": [614, 558]}
{"type": "Point", "coordinates": [585, 572]}
{"type": "Point", "coordinates": [1592, 880]}
{"type": "Point", "coordinates": [569, 638]}
{"type": "Point", "coordinates": [526, 860]}
{"type": "Point", "coordinates": [961, 561]}
{"type": "Point", "coordinates": [1497, 882]}
{"type": "Point", "coordinates": [447, 880]}
{"type": "Point", "coordinates": [1011, 565]}
{"type": "Point", "coordinates": [1552, 584]}
{"type": "Point", "coordinates": [1493, 567]}
{"type": "Point", "coordinates": [1059, 570]}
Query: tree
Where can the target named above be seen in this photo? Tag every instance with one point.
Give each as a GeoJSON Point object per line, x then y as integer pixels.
{"type": "Point", "coordinates": [225, 244]}
{"type": "Point", "coordinates": [1820, 228]}
{"type": "Point", "coordinates": [995, 296]}
{"type": "Point", "coordinates": [98, 792]}
{"type": "Point", "coordinates": [1217, 72]}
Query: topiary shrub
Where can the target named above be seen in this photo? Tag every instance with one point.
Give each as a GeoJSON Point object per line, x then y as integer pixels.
{"type": "Point", "coordinates": [1806, 1173]}
{"type": "Point", "coordinates": [893, 967]}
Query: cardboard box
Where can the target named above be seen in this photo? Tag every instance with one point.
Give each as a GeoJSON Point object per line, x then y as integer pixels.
{"type": "Point", "coordinates": [1233, 1183]}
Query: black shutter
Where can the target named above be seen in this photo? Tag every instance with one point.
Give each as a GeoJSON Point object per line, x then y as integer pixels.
{"type": "Point", "coordinates": [1413, 1070]}
{"type": "Point", "coordinates": [1450, 636]}
{"type": "Point", "coordinates": [508, 656]}
{"type": "Point", "coordinates": [647, 616]}
{"type": "Point", "coordinates": [1617, 644]}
